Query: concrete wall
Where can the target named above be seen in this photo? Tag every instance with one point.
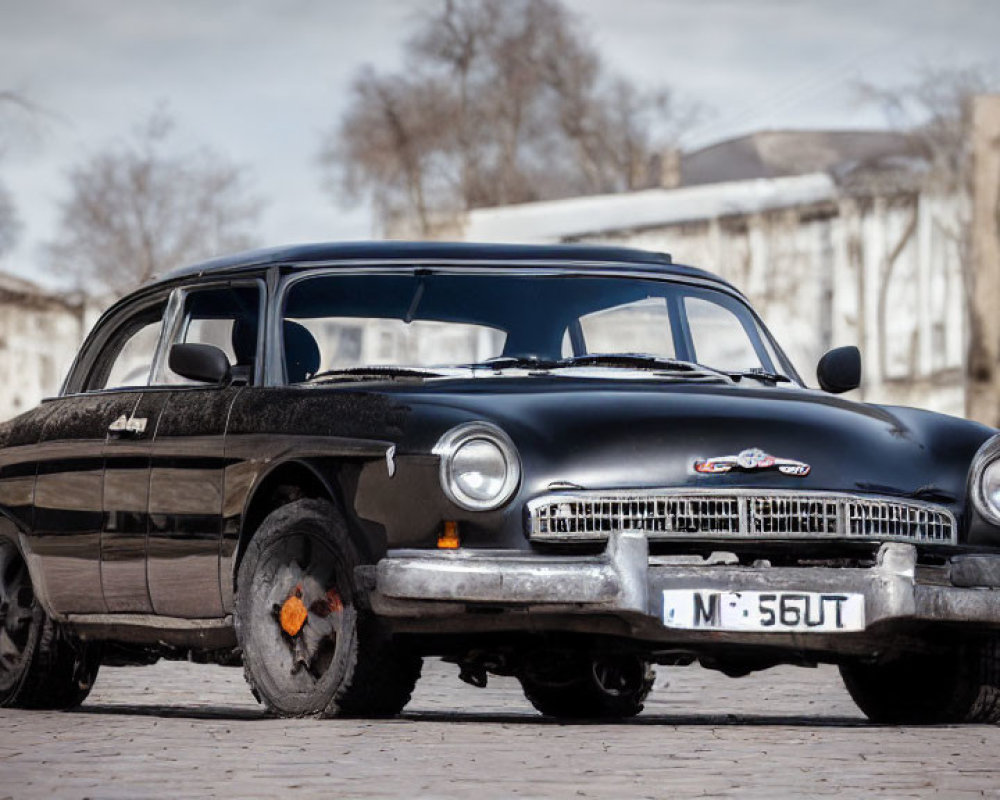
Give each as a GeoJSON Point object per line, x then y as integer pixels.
{"type": "Point", "coordinates": [39, 336]}
{"type": "Point", "coordinates": [984, 261]}
{"type": "Point", "coordinates": [881, 272]}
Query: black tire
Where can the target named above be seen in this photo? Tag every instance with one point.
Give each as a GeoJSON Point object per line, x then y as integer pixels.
{"type": "Point", "coordinates": [341, 662]}
{"type": "Point", "coordinates": [962, 685]}
{"type": "Point", "coordinates": [40, 665]}
{"type": "Point", "coordinates": [584, 687]}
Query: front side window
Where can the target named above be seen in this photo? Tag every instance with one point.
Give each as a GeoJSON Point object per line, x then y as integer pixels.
{"type": "Point", "coordinates": [226, 317]}
{"type": "Point", "coordinates": [338, 322]}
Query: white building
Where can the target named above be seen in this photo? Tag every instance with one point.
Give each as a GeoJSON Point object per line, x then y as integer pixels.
{"type": "Point", "coordinates": [849, 251]}
{"type": "Point", "coordinates": [40, 333]}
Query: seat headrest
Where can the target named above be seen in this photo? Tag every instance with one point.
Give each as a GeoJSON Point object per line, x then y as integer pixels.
{"type": "Point", "coordinates": [302, 357]}
{"type": "Point", "coordinates": [244, 340]}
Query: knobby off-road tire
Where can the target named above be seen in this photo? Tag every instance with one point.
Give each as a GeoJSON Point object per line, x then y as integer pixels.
{"type": "Point", "coordinates": [341, 662]}
{"type": "Point", "coordinates": [959, 686]}
{"type": "Point", "coordinates": [40, 665]}
{"type": "Point", "coordinates": [606, 687]}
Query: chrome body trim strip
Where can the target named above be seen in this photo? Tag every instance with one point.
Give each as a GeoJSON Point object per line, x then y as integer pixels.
{"type": "Point", "coordinates": [150, 621]}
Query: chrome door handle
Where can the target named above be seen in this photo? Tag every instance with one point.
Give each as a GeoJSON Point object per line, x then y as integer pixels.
{"type": "Point", "coordinates": [128, 426]}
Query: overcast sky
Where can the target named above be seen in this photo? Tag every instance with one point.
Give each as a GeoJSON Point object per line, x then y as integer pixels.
{"type": "Point", "coordinates": [261, 81]}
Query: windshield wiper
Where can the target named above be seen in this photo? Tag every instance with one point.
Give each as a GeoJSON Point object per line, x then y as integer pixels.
{"type": "Point", "coordinates": [513, 362]}
{"type": "Point", "coordinates": [687, 369]}
{"type": "Point", "coordinates": [759, 374]}
{"type": "Point", "coordinates": [633, 360]}
{"type": "Point", "coordinates": [367, 373]}
{"type": "Point", "coordinates": [640, 361]}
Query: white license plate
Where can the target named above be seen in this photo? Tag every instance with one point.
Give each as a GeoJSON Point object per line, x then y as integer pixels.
{"type": "Point", "coordinates": [764, 612]}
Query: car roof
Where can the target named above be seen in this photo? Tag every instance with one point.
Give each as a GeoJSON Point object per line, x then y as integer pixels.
{"type": "Point", "coordinates": [406, 254]}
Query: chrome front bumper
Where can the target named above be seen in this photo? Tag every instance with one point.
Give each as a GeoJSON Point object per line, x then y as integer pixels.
{"type": "Point", "coordinates": [624, 582]}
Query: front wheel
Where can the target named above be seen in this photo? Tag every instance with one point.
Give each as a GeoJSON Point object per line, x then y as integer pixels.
{"type": "Point", "coordinates": [310, 647]}
{"type": "Point", "coordinates": [960, 685]}
{"type": "Point", "coordinates": [580, 686]}
{"type": "Point", "coordinates": [41, 666]}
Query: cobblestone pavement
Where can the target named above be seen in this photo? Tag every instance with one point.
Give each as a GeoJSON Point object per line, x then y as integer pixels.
{"type": "Point", "coordinates": [180, 730]}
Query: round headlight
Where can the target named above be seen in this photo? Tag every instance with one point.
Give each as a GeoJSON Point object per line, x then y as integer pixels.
{"type": "Point", "coordinates": [990, 483]}
{"type": "Point", "coordinates": [480, 469]}
{"type": "Point", "coordinates": [984, 483]}
{"type": "Point", "coordinates": [987, 491]}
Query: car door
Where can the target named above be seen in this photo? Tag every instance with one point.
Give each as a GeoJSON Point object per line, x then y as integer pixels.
{"type": "Point", "coordinates": [68, 540]}
{"type": "Point", "coordinates": [125, 504]}
{"type": "Point", "coordinates": [187, 481]}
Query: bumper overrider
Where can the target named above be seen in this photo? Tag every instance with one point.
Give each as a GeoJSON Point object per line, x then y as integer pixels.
{"type": "Point", "coordinates": [624, 592]}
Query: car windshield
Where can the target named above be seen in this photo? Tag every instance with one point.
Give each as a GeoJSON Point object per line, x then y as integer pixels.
{"type": "Point", "coordinates": [405, 323]}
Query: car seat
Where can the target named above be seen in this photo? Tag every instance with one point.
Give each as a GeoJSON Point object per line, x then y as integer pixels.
{"type": "Point", "coordinates": [302, 357]}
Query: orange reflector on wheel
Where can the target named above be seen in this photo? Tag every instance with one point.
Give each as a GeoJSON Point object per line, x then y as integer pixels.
{"type": "Point", "coordinates": [333, 601]}
{"type": "Point", "coordinates": [293, 615]}
{"type": "Point", "coordinates": [448, 540]}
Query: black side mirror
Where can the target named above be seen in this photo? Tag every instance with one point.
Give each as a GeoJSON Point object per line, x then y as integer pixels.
{"type": "Point", "coordinates": [840, 370]}
{"type": "Point", "coordinates": [200, 362]}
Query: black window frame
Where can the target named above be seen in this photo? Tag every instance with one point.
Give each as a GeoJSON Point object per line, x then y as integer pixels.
{"type": "Point", "coordinates": [175, 319]}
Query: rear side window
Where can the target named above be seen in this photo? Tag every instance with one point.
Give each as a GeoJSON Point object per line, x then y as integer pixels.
{"type": "Point", "coordinates": [129, 355]}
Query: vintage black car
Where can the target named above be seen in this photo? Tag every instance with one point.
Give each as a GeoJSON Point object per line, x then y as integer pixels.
{"type": "Point", "coordinates": [562, 463]}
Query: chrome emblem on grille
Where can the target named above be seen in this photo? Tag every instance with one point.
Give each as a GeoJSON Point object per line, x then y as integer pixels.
{"type": "Point", "coordinates": [751, 460]}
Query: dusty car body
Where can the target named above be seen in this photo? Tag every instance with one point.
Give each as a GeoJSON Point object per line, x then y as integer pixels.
{"type": "Point", "coordinates": [561, 463]}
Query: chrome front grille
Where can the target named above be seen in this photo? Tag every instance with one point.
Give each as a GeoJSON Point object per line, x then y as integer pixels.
{"type": "Point", "coordinates": [737, 514]}
{"type": "Point", "coordinates": [887, 519]}
{"type": "Point", "coordinates": [794, 515]}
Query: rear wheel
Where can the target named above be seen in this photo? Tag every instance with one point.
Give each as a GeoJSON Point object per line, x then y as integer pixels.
{"type": "Point", "coordinates": [961, 685]}
{"type": "Point", "coordinates": [40, 665]}
{"type": "Point", "coordinates": [578, 686]}
{"type": "Point", "coordinates": [310, 646]}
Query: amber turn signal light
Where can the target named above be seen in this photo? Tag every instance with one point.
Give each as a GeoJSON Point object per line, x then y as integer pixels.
{"type": "Point", "coordinates": [448, 539]}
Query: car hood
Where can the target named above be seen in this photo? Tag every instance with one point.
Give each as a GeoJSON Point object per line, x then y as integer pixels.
{"type": "Point", "coordinates": [596, 434]}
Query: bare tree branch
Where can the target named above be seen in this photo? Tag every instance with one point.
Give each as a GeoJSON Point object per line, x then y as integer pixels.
{"type": "Point", "coordinates": [501, 101]}
{"type": "Point", "coordinates": [934, 110]}
{"type": "Point", "coordinates": [137, 210]}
